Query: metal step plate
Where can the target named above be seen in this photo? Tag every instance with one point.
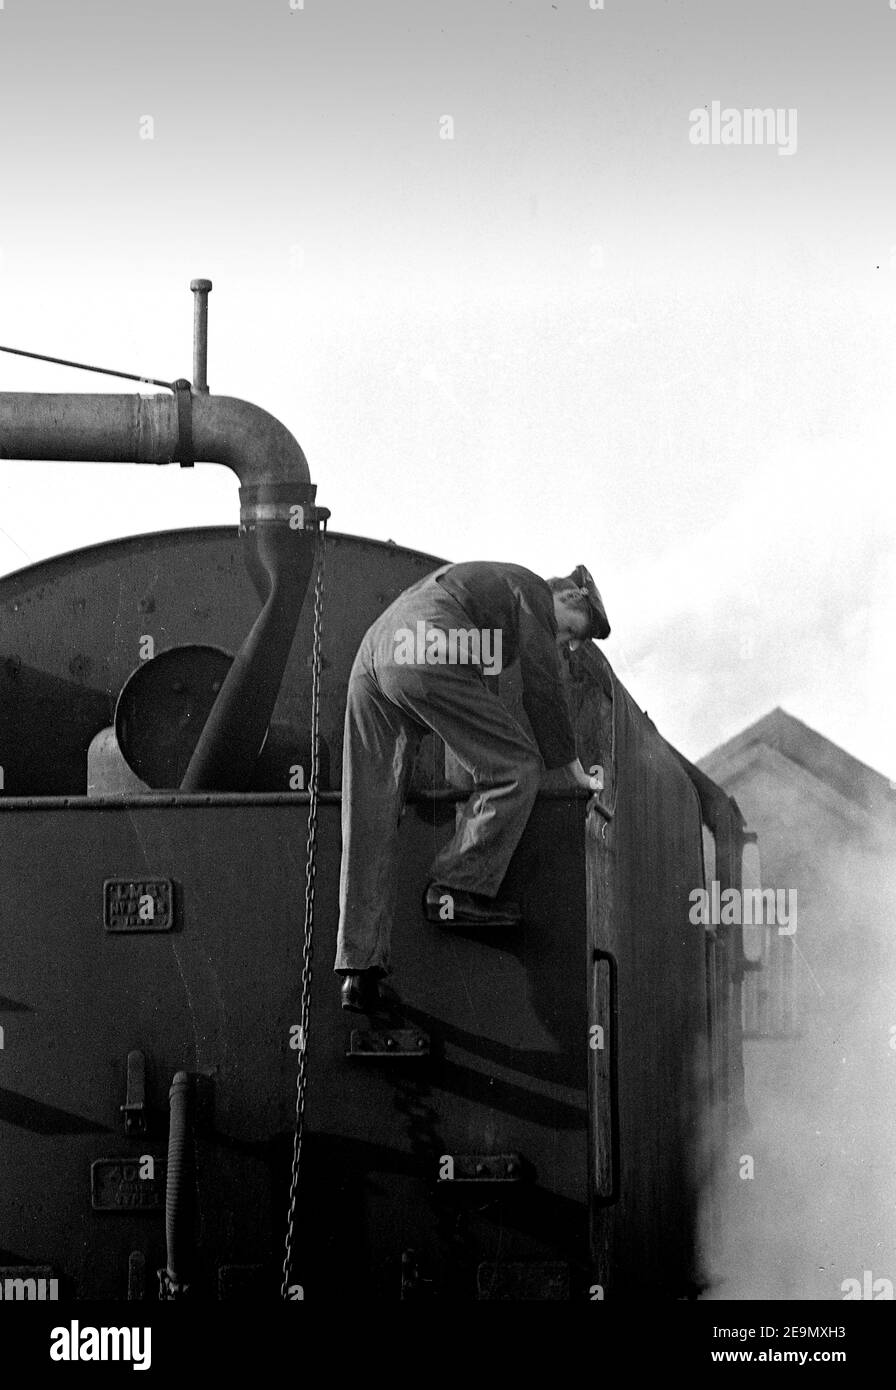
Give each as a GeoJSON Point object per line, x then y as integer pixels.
{"type": "Point", "coordinates": [388, 1042]}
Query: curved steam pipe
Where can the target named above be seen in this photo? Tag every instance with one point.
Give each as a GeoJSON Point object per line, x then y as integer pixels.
{"type": "Point", "coordinates": [278, 525]}
{"type": "Point", "coordinates": [131, 428]}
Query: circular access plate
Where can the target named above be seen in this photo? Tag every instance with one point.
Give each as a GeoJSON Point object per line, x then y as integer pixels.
{"type": "Point", "coordinates": [162, 710]}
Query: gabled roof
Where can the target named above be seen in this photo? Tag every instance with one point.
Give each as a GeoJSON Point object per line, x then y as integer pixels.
{"type": "Point", "coordinates": [810, 751]}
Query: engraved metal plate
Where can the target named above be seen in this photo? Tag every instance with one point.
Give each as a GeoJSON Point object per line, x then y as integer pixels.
{"type": "Point", "coordinates": [388, 1042]}
{"type": "Point", "coordinates": [138, 904]}
{"type": "Point", "coordinates": [116, 1185]}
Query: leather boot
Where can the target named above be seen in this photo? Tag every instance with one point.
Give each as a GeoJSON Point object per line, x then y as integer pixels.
{"type": "Point", "coordinates": [360, 991]}
{"type": "Point", "coordinates": [468, 909]}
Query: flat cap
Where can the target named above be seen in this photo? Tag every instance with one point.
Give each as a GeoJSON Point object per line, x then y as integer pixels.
{"type": "Point", "coordinates": [580, 579]}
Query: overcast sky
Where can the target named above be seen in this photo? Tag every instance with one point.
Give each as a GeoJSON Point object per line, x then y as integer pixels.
{"type": "Point", "coordinates": [470, 255]}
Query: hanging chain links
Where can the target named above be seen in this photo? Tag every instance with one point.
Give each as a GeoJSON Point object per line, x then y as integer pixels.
{"type": "Point", "coordinates": [307, 935]}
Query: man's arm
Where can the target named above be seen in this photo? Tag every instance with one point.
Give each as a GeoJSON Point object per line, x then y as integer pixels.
{"type": "Point", "coordinates": [581, 778]}
{"type": "Point", "coordinates": [544, 698]}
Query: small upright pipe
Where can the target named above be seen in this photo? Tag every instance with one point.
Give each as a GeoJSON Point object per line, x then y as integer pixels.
{"type": "Point", "coordinates": [201, 290]}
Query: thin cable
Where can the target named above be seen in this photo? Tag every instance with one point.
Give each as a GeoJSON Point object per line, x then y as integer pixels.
{"type": "Point", "coordinates": [84, 367]}
{"type": "Point", "coordinates": [28, 557]}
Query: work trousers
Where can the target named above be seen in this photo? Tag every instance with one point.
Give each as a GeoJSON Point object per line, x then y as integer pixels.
{"type": "Point", "coordinates": [391, 705]}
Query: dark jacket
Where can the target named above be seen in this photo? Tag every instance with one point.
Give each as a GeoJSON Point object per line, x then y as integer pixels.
{"type": "Point", "coordinates": [509, 597]}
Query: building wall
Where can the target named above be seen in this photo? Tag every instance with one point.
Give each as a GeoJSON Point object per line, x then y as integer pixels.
{"type": "Point", "coordinates": [821, 1207]}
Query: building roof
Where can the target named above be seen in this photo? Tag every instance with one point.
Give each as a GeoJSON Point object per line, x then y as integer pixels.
{"type": "Point", "coordinates": [810, 751]}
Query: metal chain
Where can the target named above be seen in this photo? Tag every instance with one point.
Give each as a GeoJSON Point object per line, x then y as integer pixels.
{"type": "Point", "coordinates": [310, 872]}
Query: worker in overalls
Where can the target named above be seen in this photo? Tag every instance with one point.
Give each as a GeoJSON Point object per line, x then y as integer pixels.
{"type": "Point", "coordinates": [421, 668]}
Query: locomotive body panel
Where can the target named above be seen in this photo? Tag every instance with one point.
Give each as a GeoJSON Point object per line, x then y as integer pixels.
{"type": "Point", "coordinates": [550, 1136]}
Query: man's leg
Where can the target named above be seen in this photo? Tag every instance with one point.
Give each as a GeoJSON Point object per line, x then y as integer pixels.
{"type": "Point", "coordinates": [497, 753]}
{"type": "Point", "coordinates": [378, 752]}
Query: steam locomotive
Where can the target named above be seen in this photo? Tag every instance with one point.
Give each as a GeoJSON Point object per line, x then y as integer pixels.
{"type": "Point", "coordinates": [185, 1112]}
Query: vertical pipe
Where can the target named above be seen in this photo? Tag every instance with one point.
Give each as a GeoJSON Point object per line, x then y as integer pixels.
{"type": "Point", "coordinates": [178, 1209]}
{"type": "Point", "coordinates": [201, 290]}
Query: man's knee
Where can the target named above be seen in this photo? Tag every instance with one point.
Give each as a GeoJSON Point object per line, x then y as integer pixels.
{"type": "Point", "coordinates": [523, 770]}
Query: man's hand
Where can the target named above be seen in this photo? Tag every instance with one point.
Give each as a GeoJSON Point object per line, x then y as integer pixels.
{"type": "Point", "coordinates": [581, 778]}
